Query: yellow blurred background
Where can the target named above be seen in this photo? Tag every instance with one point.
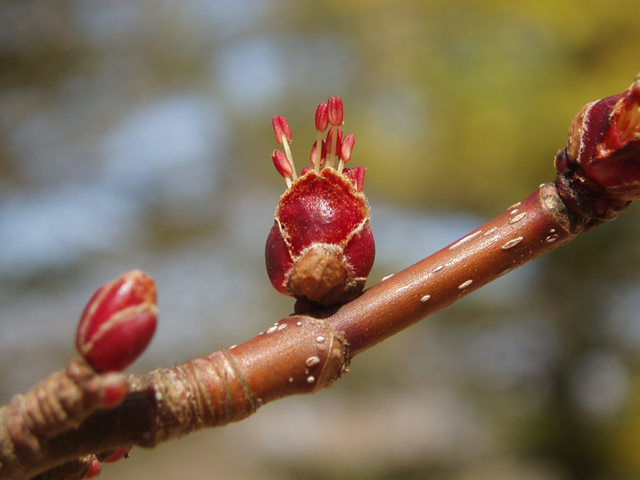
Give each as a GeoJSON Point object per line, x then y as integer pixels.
{"type": "Point", "coordinates": [137, 134]}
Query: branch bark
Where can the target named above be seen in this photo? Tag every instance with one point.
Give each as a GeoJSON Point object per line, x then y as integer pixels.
{"type": "Point", "coordinates": [79, 412]}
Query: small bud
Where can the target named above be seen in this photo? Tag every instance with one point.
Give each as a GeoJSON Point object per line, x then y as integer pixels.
{"type": "Point", "coordinates": [118, 322]}
{"type": "Point", "coordinates": [282, 163]}
{"type": "Point", "coordinates": [281, 128]}
{"type": "Point", "coordinates": [322, 117]}
{"type": "Point", "coordinates": [347, 147]}
{"type": "Point", "coordinates": [335, 111]}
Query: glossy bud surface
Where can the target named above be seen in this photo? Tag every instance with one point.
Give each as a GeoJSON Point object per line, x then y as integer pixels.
{"type": "Point", "coordinates": [118, 322]}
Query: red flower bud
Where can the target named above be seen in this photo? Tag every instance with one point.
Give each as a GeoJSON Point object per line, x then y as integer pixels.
{"type": "Point", "coordinates": [281, 128]}
{"type": "Point", "coordinates": [604, 144]}
{"type": "Point", "coordinates": [118, 322]}
{"type": "Point", "coordinates": [335, 111]}
{"type": "Point", "coordinates": [321, 247]}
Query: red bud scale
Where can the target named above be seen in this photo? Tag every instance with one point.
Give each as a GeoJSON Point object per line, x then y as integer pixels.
{"type": "Point", "coordinates": [321, 248]}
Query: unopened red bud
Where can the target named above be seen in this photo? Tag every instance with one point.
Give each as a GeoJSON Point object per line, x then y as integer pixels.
{"type": "Point", "coordinates": [347, 147]}
{"type": "Point", "coordinates": [118, 322]}
{"type": "Point", "coordinates": [323, 153]}
{"type": "Point", "coordinates": [322, 117]}
{"type": "Point", "coordinates": [335, 111]}
{"type": "Point", "coordinates": [281, 163]}
{"type": "Point", "coordinates": [330, 140]}
{"type": "Point", "coordinates": [281, 129]}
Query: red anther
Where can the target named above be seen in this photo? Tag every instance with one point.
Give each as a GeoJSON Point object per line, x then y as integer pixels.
{"type": "Point", "coordinates": [356, 175]}
{"type": "Point", "coordinates": [281, 128]}
{"type": "Point", "coordinates": [323, 153]}
{"type": "Point", "coordinates": [335, 111]}
{"type": "Point", "coordinates": [305, 170]}
{"type": "Point", "coordinates": [118, 322]}
{"type": "Point", "coordinates": [116, 454]}
{"type": "Point", "coordinates": [322, 117]}
{"type": "Point", "coordinates": [282, 163]}
{"type": "Point", "coordinates": [330, 140]}
{"type": "Point", "coordinates": [347, 147]}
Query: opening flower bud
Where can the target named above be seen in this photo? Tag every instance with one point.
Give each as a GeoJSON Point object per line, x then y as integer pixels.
{"type": "Point", "coordinates": [321, 249]}
{"type": "Point", "coordinates": [604, 143]}
{"type": "Point", "coordinates": [118, 322]}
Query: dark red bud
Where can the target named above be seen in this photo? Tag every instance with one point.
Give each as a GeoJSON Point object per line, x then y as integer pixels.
{"type": "Point", "coordinates": [321, 247]}
{"type": "Point", "coordinates": [281, 128]}
{"type": "Point", "coordinates": [282, 164]}
{"type": "Point", "coordinates": [322, 117]}
{"type": "Point", "coordinates": [335, 111]}
{"type": "Point", "coordinates": [118, 322]}
{"type": "Point", "coordinates": [604, 143]}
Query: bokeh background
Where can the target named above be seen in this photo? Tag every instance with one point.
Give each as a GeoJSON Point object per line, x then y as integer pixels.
{"type": "Point", "coordinates": [137, 134]}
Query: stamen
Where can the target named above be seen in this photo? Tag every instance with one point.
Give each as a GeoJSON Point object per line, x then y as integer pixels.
{"type": "Point", "coordinates": [322, 122]}
{"type": "Point", "coordinates": [346, 150]}
{"type": "Point", "coordinates": [335, 111]}
{"type": "Point", "coordinates": [357, 176]}
{"type": "Point", "coordinates": [281, 129]}
{"type": "Point", "coordinates": [287, 150]}
{"type": "Point", "coordinates": [318, 158]}
{"type": "Point", "coordinates": [283, 166]}
{"type": "Point", "coordinates": [334, 144]}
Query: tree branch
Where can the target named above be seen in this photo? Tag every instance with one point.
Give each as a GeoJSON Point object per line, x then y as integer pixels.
{"type": "Point", "coordinates": [78, 412]}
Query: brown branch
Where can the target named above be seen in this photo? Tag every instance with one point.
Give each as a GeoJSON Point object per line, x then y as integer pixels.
{"type": "Point", "coordinates": [302, 354]}
{"type": "Point", "coordinates": [67, 416]}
